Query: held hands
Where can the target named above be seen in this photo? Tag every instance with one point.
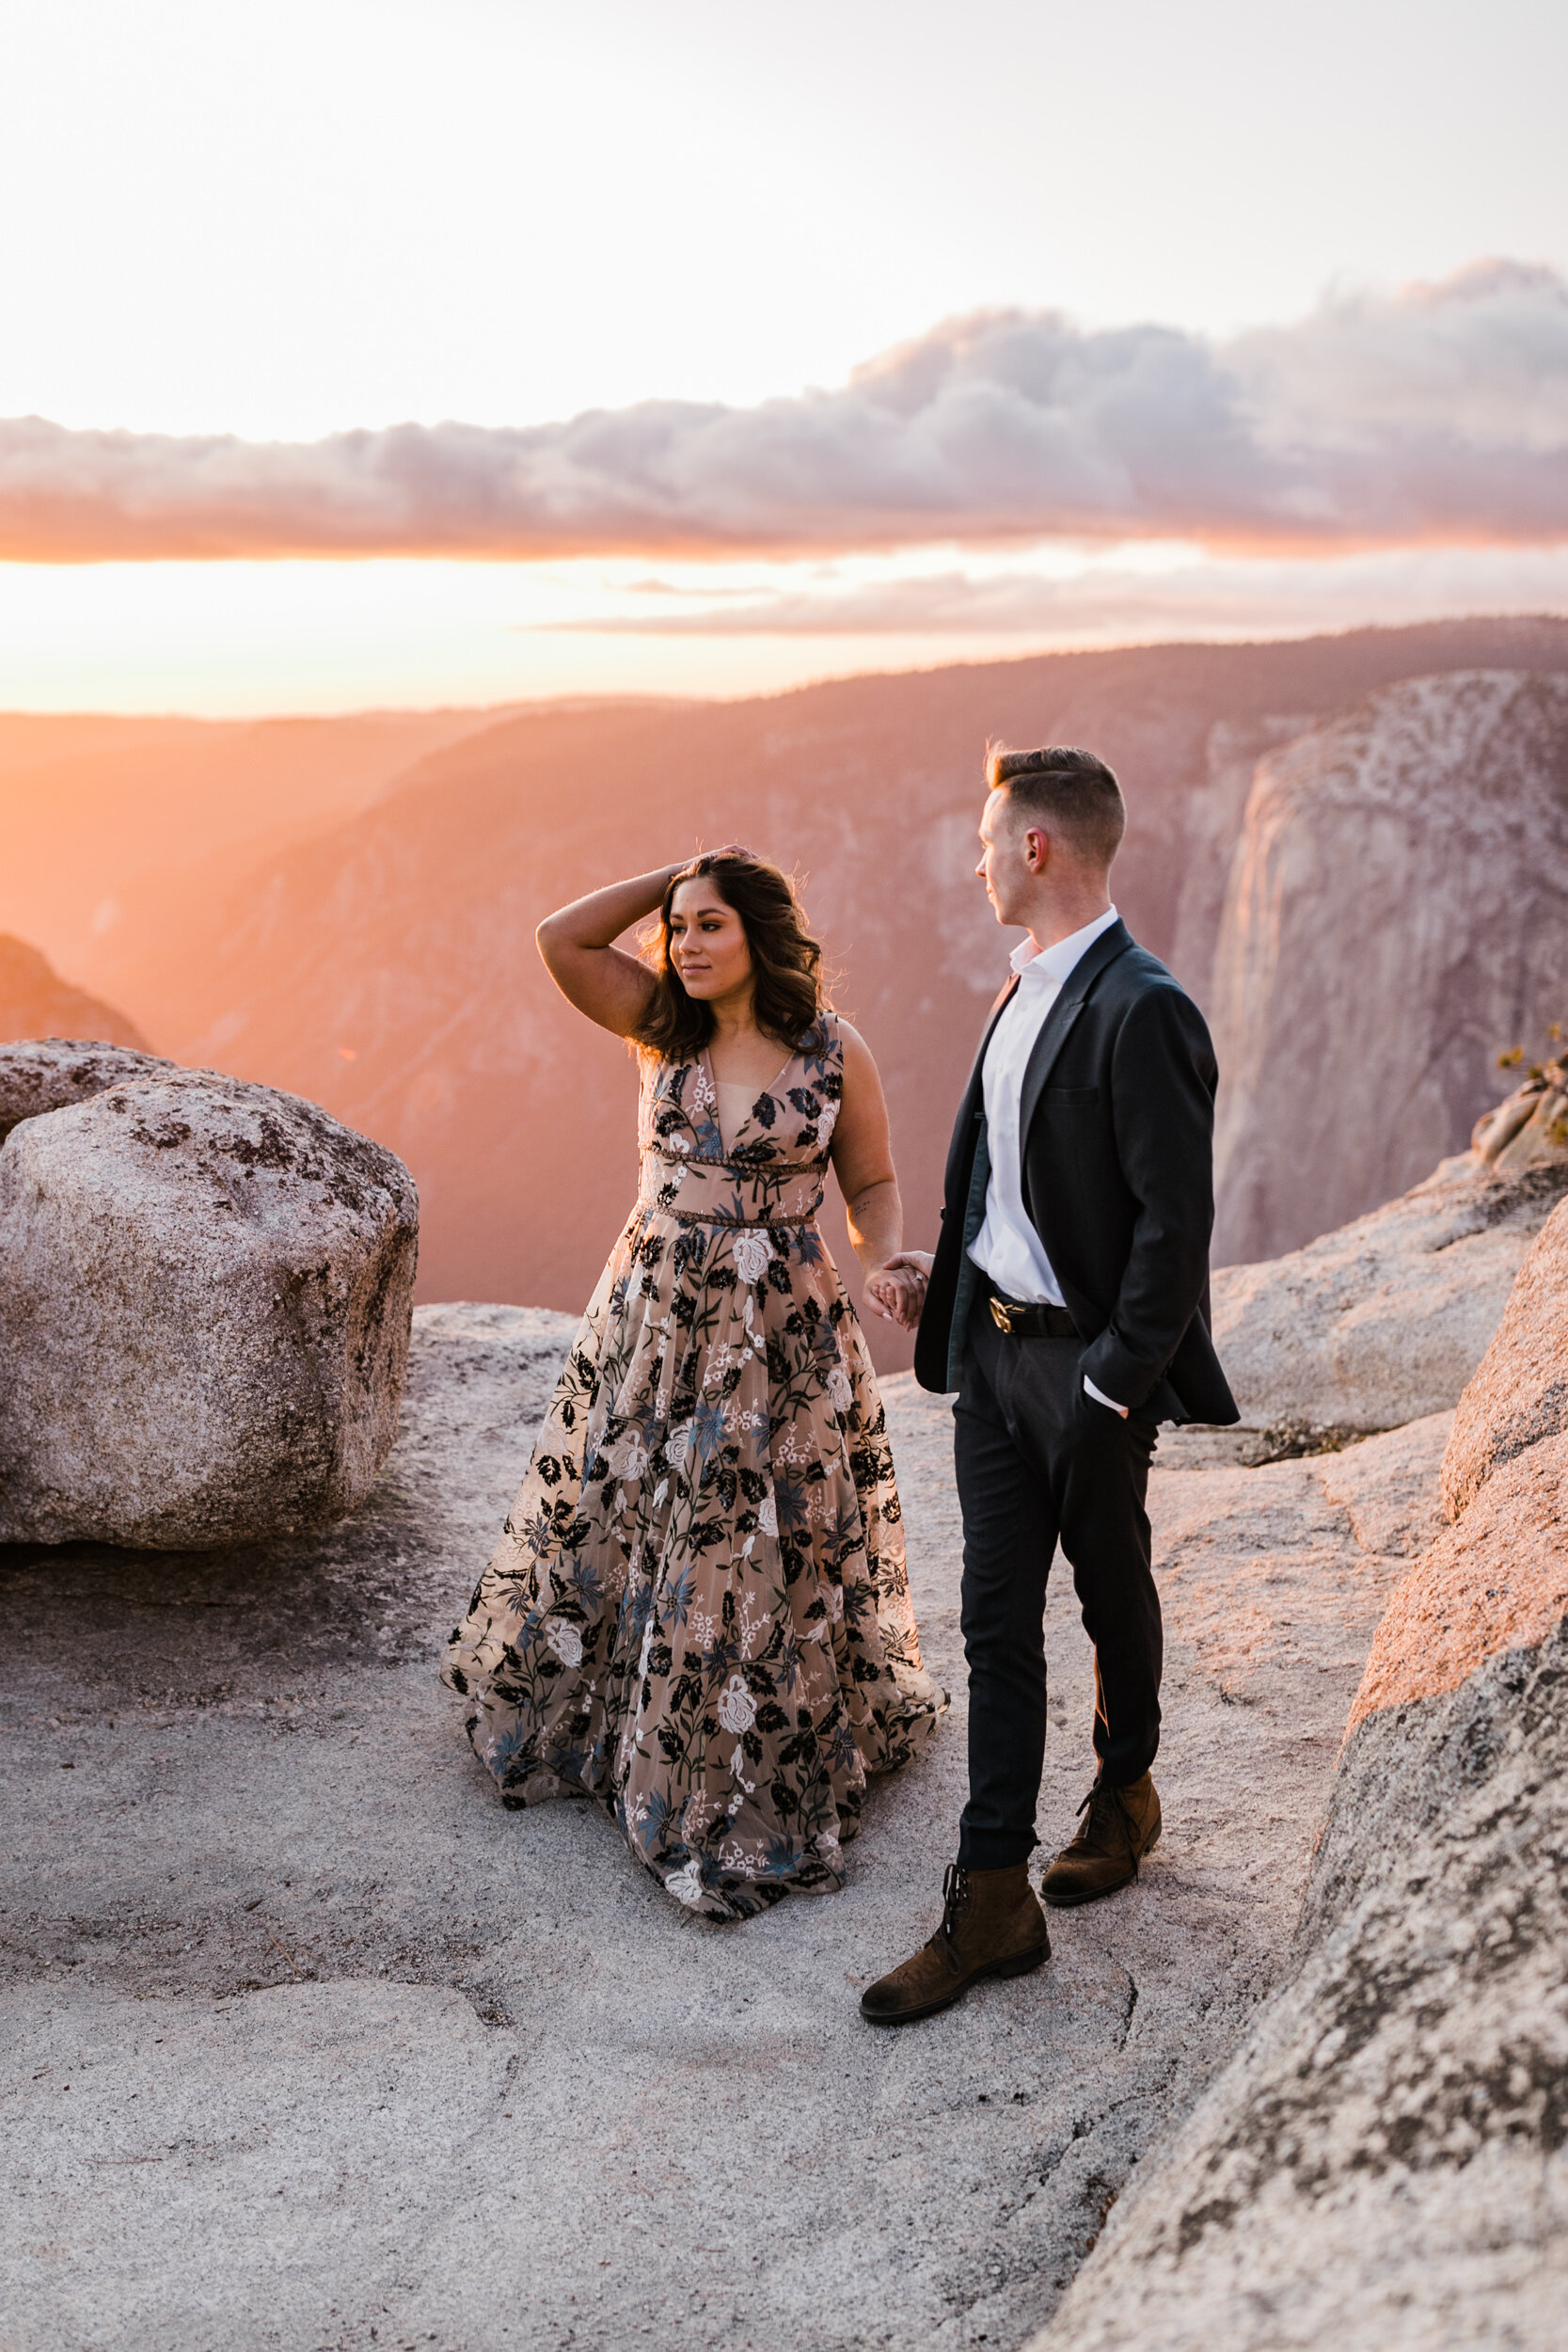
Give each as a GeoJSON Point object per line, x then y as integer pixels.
{"type": "Point", "coordinates": [897, 1288]}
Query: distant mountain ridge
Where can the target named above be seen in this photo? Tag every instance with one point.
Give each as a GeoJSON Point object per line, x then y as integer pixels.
{"type": "Point", "coordinates": [35, 1003]}
{"type": "Point", "coordinates": [109, 824]}
{"type": "Point", "coordinates": [387, 967]}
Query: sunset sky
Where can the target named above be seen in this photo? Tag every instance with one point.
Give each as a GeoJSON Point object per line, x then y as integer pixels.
{"type": "Point", "coordinates": [394, 353]}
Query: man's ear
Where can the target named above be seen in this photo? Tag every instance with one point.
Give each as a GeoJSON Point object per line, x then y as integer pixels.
{"type": "Point", "coordinates": [1036, 847]}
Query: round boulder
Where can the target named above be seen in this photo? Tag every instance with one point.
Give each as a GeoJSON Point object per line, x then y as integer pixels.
{"type": "Point", "coordinates": [205, 1296]}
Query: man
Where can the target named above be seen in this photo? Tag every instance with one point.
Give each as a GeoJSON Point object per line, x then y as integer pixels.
{"type": "Point", "coordinates": [1068, 1305]}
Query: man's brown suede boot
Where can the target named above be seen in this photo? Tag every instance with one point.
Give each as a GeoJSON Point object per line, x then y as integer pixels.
{"type": "Point", "coordinates": [1117, 1829]}
{"type": "Point", "coordinates": [991, 1925]}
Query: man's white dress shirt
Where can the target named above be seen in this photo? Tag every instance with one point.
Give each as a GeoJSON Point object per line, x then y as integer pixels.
{"type": "Point", "coordinates": [1007, 1246]}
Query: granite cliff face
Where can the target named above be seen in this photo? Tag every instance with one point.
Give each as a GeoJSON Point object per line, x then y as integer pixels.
{"type": "Point", "coordinates": [1397, 912]}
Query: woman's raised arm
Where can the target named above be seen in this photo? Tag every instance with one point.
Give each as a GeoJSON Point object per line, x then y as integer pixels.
{"type": "Point", "coordinates": [577, 945]}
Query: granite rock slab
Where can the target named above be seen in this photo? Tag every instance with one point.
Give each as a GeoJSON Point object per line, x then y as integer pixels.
{"type": "Point", "coordinates": [351, 2047]}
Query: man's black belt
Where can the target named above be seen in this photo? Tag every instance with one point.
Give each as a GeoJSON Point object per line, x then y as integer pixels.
{"type": "Point", "coordinates": [1029, 1323]}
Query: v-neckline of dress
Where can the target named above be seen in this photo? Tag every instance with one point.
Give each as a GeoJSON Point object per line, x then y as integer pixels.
{"type": "Point", "coordinates": [727, 1143]}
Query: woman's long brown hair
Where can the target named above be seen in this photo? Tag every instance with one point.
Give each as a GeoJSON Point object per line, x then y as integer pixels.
{"type": "Point", "coordinates": [786, 961]}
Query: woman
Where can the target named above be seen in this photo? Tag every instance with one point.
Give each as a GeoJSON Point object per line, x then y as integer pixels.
{"type": "Point", "coordinates": [698, 1611]}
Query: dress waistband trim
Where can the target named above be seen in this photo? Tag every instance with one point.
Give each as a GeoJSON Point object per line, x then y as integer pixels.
{"type": "Point", "coordinates": [744, 1171]}
{"type": "Point", "coordinates": [737, 1224]}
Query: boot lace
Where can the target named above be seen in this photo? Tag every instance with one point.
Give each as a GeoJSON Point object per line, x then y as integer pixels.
{"type": "Point", "coordinates": [1106, 1807]}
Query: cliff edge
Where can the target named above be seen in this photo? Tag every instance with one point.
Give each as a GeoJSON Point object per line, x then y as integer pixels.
{"type": "Point", "coordinates": [1386, 2160]}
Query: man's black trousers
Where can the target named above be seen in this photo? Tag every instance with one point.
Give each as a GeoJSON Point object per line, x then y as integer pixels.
{"type": "Point", "coordinates": [1038, 1462]}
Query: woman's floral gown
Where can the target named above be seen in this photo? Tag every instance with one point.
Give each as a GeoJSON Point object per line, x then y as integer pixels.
{"type": "Point", "coordinates": [698, 1612]}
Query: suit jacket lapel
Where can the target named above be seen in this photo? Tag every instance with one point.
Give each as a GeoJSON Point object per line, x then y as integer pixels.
{"type": "Point", "coordinates": [1058, 1021]}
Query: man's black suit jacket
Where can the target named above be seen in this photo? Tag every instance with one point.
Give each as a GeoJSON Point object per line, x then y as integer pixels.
{"type": "Point", "coordinates": [1116, 1122]}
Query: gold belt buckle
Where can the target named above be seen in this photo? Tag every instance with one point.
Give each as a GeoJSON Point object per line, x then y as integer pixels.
{"type": "Point", "coordinates": [1002, 1314]}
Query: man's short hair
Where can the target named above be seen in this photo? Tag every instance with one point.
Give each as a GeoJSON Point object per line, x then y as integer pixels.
{"type": "Point", "coordinates": [1068, 791]}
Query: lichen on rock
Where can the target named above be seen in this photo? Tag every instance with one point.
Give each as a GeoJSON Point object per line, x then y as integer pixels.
{"type": "Point", "coordinates": [49, 1073]}
{"type": "Point", "coordinates": [205, 1293]}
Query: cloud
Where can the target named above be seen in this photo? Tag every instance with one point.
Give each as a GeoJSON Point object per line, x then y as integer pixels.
{"type": "Point", "coordinates": [1105, 599]}
{"type": "Point", "coordinates": [1436, 414]}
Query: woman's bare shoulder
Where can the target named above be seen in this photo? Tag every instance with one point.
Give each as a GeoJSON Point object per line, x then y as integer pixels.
{"type": "Point", "coordinates": [852, 1040]}
{"type": "Point", "coordinates": [858, 1062]}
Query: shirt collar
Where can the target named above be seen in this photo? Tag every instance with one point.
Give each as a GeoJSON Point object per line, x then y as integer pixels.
{"type": "Point", "coordinates": [1057, 963]}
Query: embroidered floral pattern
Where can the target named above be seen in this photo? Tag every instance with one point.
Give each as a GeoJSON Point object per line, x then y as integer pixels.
{"type": "Point", "coordinates": [698, 1612]}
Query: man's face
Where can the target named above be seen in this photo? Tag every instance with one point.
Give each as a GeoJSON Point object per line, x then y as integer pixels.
{"type": "Point", "coordinates": [1011, 854]}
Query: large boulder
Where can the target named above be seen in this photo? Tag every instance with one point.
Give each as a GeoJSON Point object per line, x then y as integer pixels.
{"type": "Point", "coordinates": [205, 1294]}
{"type": "Point", "coordinates": [1397, 912]}
{"type": "Point", "coordinates": [1520, 1393]}
{"type": "Point", "coordinates": [1384, 1321]}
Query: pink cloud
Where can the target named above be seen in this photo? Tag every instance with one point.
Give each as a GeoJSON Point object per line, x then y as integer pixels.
{"type": "Point", "coordinates": [1436, 414]}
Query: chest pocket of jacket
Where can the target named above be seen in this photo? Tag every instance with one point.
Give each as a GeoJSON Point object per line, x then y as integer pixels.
{"type": "Point", "coordinates": [1068, 1098]}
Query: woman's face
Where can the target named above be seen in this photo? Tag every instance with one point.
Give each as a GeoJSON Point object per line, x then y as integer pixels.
{"type": "Point", "coordinates": [707, 941]}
